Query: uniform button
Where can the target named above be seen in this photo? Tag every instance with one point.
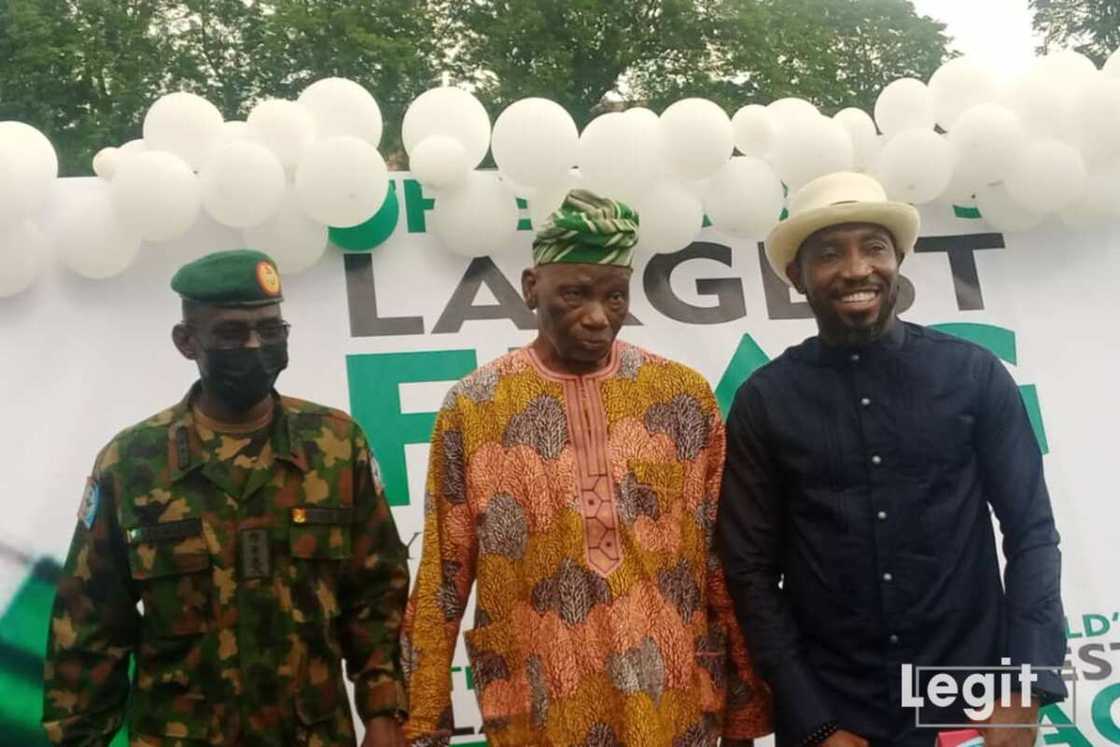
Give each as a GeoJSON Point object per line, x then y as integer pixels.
{"type": "Point", "coordinates": [854, 358]}
{"type": "Point", "coordinates": [893, 638]}
{"type": "Point", "coordinates": [865, 402]}
{"type": "Point", "coordinates": [882, 515]}
{"type": "Point", "coordinates": [876, 459]}
{"type": "Point", "coordinates": [888, 577]}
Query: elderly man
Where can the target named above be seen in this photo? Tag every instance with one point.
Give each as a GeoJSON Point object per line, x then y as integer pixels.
{"type": "Point", "coordinates": [574, 483]}
{"type": "Point", "coordinates": [255, 532]}
{"type": "Point", "coordinates": [854, 522]}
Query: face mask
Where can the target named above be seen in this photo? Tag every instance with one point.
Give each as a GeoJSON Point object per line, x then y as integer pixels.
{"type": "Point", "coordinates": [242, 377]}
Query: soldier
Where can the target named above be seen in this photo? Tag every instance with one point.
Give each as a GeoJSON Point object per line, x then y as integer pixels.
{"type": "Point", "coordinates": [254, 531]}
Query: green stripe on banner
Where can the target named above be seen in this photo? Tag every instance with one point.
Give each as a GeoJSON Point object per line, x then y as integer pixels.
{"type": "Point", "coordinates": [23, 643]}
{"type": "Point", "coordinates": [969, 213]}
{"type": "Point", "coordinates": [748, 358]}
{"type": "Point", "coordinates": [24, 625]}
{"type": "Point", "coordinates": [1029, 393]}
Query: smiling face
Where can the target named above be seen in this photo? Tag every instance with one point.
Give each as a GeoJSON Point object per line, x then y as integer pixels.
{"type": "Point", "coordinates": [580, 308]}
{"type": "Point", "coordinates": [849, 274]}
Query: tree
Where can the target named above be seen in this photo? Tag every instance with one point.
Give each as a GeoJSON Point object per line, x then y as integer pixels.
{"type": "Point", "coordinates": [835, 53]}
{"type": "Point", "coordinates": [85, 71]}
{"type": "Point", "coordinates": [1091, 27]}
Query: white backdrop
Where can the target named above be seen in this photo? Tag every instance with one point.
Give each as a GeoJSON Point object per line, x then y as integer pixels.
{"type": "Point", "coordinates": [84, 359]}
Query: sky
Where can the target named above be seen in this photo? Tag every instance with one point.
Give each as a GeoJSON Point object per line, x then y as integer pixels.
{"type": "Point", "coordinates": [996, 32]}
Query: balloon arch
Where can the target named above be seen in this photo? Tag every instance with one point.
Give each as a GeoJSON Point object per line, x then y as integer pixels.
{"type": "Point", "coordinates": [1045, 144]}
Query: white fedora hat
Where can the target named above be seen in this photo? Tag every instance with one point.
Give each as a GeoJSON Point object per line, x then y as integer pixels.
{"type": "Point", "coordinates": [843, 197]}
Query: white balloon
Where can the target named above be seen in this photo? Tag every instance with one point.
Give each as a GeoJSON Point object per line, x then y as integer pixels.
{"type": "Point", "coordinates": [1101, 204]}
{"type": "Point", "coordinates": [477, 219]}
{"type": "Point", "coordinates": [290, 237]}
{"type": "Point", "coordinates": [669, 218]}
{"type": "Point", "coordinates": [744, 198]}
{"type": "Point", "coordinates": [640, 112]}
{"type": "Point", "coordinates": [861, 129]}
{"type": "Point", "coordinates": [1001, 211]}
{"type": "Point", "coordinates": [156, 195]}
{"type": "Point", "coordinates": [242, 183]}
{"type": "Point", "coordinates": [958, 85]}
{"type": "Point", "coordinates": [788, 109]}
{"type": "Point", "coordinates": [753, 127]}
{"type": "Point", "coordinates": [916, 166]}
{"type": "Point", "coordinates": [129, 149]}
{"type": "Point", "coordinates": [23, 249]}
{"type": "Point", "coordinates": [452, 112]}
{"type": "Point", "coordinates": [988, 139]}
{"type": "Point", "coordinates": [184, 124]}
{"type": "Point", "coordinates": [1112, 65]}
{"type": "Point", "coordinates": [28, 168]}
{"type": "Point", "coordinates": [105, 162]}
{"type": "Point", "coordinates": [343, 107]}
{"type": "Point", "coordinates": [1066, 64]}
{"type": "Point", "coordinates": [235, 129]}
{"type": "Point", "coordinates": [1049, 176]}
{"type": "Point", "coordinates": [904, 104]}
{"type": "Point", "coordinates": [284, 127]}
{"type": "Point", "coordinates": [535, 142]}
{"type": "Point", "coordinates": [90, 237]}
{"type": "Point", "coordinates": [810, 147]}
{"type": "Point", "coordinates": [341, 181]}
{"type": "Point", "coordinates": [439, 162]}
{"type": "Point", "coordinates": [620, 157]}
{"type": "Point", "coordinates": [698, 138]}
{"type": "Point", "coordinates": [543, 203]}
{"type": "Point", "coordinates": [1096, 114]}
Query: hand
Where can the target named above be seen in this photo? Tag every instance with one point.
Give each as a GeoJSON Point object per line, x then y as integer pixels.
{"type": "Point", "coordinates": [845, 739]}
{"type": "Point", "coordinates": [1013, 714]}
{"type": "Point", "coordinates": [383, 731]}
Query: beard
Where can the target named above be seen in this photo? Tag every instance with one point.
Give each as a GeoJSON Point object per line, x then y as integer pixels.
{"type": "Point", "coordinates": [841, 330]}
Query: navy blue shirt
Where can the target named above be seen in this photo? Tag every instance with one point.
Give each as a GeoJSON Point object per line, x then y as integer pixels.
{"type": "Point", "coordinates": [856, 533]}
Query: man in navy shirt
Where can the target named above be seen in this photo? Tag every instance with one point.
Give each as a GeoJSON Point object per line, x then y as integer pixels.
{"type": "Point", "coordinates": [854, 523]}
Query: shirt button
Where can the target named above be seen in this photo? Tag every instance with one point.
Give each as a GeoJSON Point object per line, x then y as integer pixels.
{"type": "Point", "coordinates": [854, 358]}
{"type": "Point", "coordinates": [893, 639]}
{"type": "Point", "coordinates": [882, 515]}
{"type": "Point", "coordinates": [876, 459]}
{"type": "Point", "coordinates": [865, 402]}
{"type": "Point", "coordinates": [888, 577]}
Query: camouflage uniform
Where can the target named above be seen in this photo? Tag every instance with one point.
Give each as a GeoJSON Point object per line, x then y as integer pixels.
{"type": "Point", "coordinates": [254, 588]}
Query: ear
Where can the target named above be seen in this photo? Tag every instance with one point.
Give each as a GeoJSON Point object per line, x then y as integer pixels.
{"type": "Point", "coordinates": [529, 287]}
{"type": "Point", "coordinates": [793, 272]}
{"type": "Point", "coordinates": [184, 341]}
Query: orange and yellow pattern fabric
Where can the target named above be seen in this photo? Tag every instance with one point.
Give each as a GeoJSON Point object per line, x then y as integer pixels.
{"type": "Point", "coordinates": [582, 508]}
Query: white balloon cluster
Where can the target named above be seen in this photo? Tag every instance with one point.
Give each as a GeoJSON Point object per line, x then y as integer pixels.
{"type": "Point", "coordinates": [28, 168]}
{"type": "Point", "coordinates": [283, 176]}
{"type": "Point", "coordinates": [1045, 144]}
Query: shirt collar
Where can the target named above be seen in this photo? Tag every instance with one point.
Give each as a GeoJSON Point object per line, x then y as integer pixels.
{"type": "Point", "coordinates": [890, 342]}
{"type": "Point", "coordinates": [184, 447]}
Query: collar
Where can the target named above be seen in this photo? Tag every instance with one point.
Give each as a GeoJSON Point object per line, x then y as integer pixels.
{"type": "Point", "coordinates": [890, 342]}
{"type": "Point", "coordinates": [606, 371]}
{"type": "Point", "coordinates": [184, 447]}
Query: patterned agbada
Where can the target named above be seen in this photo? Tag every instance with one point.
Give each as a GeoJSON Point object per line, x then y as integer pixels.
{"type": "Point", "coordinates": [582, 508]}
{"type": "Point", "coordinates": [260, 562]}
{"type": "Point", "coordinates": [588, 229]}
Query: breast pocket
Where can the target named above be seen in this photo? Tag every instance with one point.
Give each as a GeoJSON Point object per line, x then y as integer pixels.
{"type": "Point", "coordinates": [171, 564]}
{"type": "Point", "coordinates": [320, 542]}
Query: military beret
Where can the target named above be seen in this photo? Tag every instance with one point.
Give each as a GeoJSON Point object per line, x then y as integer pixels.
{"type": "Point", "coordinates": [240, 277]}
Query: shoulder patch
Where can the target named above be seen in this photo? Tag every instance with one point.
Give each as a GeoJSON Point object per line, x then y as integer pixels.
{"type": "Point", "coordinates": [91, 500]}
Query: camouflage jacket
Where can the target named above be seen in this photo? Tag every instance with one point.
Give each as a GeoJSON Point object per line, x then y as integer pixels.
{"type": "Point", "coordinates": [250, 601]}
